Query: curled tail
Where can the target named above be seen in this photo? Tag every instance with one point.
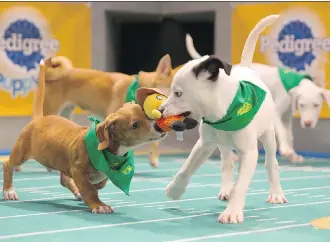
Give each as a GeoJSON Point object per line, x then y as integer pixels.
{"type": "Point", "coordinates": [38, 104]}
{"type": "Point", "coordinates": [190, 47]}
{"type": "Point", "coordinates": [57, 67]}
{"type": "Point", "coordinates": [249, 48]}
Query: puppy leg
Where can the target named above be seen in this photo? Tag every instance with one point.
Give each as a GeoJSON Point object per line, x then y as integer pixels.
{"type": "Point", "coordinates": [89, 192]}
{"type": "Point", "coordinates": [284, 148]}
{"type": "Point", "coordinates": [153, 155]}
{"type": "Point", "coordinates": [101, 184]}
{"type": "Point", "coordinates": [276, 194]}
{"type": "Point", "coordinates": [16, 159]}
{"type": "Point", "coordinates": [199, 154]}
{"type": "Point", "coordinates": [289, 130]}
{"type": "Point", "coordinates": [234, 211]}
{"type": "Point", "coordinates": [69, 183]}
{"type": "Point", "coordinates": [227, 169]}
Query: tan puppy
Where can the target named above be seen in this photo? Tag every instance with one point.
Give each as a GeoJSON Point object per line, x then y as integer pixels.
{"type": "Point", "coordinates": [58, 144]}
{"type": "Point", "coordinates": [98, 92]}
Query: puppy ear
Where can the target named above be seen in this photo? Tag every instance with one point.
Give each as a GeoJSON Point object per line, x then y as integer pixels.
{"type": "Point", "coordinates": [294, 98]}
{"type": "Point", "coordinates": [326, 95]}
{"type": "Point", "coordinates": [212, 65]}
{"type": "Point", "coordinates": [101, 131]}
{"type": "Point", "coordinates": [164, 66]}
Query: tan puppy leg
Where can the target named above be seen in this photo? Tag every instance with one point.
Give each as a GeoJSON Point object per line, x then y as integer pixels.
{"type": "Point", "coordinates": [154, 154]}
{"type": "Point", "coordinates": [89, 192]}
{"type": "Point", "coordinates": [101, 185]}
{"type": "Point", "coordinates": [70, 184]}
{"type": "Point", "coordinates": [16, 159]}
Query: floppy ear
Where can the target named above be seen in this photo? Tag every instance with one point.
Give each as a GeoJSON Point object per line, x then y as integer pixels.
{"type": "Point", "coordinates": [294, 98]}
{"type": "Point", "coordinates": [164, 66]}
{"type": "Point", "coordinates": [326, 95]}
{"type": "Point", "coordinates": [212, 65]}
{"type": "Point", "coordinates": [101, 130]}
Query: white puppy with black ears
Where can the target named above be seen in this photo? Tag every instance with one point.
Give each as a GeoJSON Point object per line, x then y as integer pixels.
{"type": "Point", "coordinates": [237, 110]}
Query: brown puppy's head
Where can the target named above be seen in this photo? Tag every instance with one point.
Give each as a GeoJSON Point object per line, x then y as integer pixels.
{"type": "Point", "coordinates": [126, 129]}
{"type": "Point", "coordinates": [161, 78]}
{"type": "Point", "coordinates": [57, 67]}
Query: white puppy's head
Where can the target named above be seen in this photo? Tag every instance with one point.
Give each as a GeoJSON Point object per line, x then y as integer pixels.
{"type": "Point", "coordinates": [308, 98]}
{"type": "Point", "coordinates": [193, 91]}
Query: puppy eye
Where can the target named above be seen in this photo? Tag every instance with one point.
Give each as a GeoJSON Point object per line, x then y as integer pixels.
{"type": "Point", "coordinates": [316, 105]}
{"type": "Point", "coordinates": [178, 94]}
{"type": "Point", "coordinates": [135, 125]}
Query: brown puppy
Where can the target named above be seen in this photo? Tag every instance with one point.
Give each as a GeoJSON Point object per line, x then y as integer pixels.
{"type": "Point", "coordinates": [58, 144]}
{"type": "Point", "coordinates": [98, 92]}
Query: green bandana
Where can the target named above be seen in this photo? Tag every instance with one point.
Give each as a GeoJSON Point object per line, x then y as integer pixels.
{"type": "Point", "coordinates": [119, 169]}
{"type": "Point", "coordinates": [131, 93]}
{"type": "Point", "coordinates": [291, 79]}
{"type": "Point", "coordinates": [243, 108]}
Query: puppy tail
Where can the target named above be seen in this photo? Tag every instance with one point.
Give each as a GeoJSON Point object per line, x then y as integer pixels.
{"type": "Point", "coordinates": [39, 96]}
{"type": "Point", "coordinates": [57, 67]}
{"type": "Point", "coordinates": [249, 48]}
{"type": "Point", "coordinates": [190, 47]}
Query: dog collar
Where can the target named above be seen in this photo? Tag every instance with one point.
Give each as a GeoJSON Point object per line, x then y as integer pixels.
{"type": "Point", "coordinates": [243, 108]}
{"type": "Point", "coordinates": [131, 93]}
{"type": "Point", "coordinates": [291, 79]}
{"type": "Point", "coordinates": [119, 169]}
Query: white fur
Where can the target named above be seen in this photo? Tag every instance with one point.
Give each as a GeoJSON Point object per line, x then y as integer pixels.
{"type": "Point", "coordinates": [307, 98]}
{"type": "Point", "coordinates": [205, 98]}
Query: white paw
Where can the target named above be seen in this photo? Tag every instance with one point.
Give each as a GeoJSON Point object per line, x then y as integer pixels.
{"type": "Point", "coordinates": [225, 192]}
{"type": "Point", "coordinates": [103, 209]}
{"type": "Point", "coordinates": [296, 158]}
{"type": "Point", "coordinates": [153, 161]}
{"type": "Point", "coordinates": [10, 194]}
{"type": "Point", "coordinates": [231, 216]}
{"type": "Point", "coordinates": [177, 186]}
{"type": "Point", "coordinates": [276, 198]}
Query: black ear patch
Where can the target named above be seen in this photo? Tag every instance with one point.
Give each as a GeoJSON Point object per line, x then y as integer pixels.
{"type": "Point", "coordinates": [212, 65]}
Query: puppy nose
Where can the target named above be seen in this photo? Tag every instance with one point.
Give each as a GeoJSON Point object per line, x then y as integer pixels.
{"type": "Point", "coordinates": [161, 110]}
{"type": "Point", "coordinates": [308, 123]}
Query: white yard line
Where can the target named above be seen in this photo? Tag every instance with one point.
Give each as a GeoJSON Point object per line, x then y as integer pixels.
{"type": "Point", "coordinates": [285, 222]}
{"type": "Point", "coordinates": [146, 205]}
{"type": "Point", "coordinates": [317, 196]}
{"type": "Point", "coordinates": [265, 219]}
{"type": "Point", "coordinates": [168, 219]}
{"type": "Point", "coordinates": [217, 236]}
{"type": "Point", "coordinates": [300, 195]}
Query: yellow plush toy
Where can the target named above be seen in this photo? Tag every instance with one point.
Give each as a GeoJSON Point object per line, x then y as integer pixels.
{"type": "Point", "coordinates": [150, 99]}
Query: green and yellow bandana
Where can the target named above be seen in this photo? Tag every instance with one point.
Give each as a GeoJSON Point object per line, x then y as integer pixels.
{"type": "Point", "coordinates": [131, 93]}
{"type": "Point", "coordinates": [119, 169]}
{"type": "Point", "coordinates": [291, 79]}
{"type": "Point", "coordinates": [243, 108]}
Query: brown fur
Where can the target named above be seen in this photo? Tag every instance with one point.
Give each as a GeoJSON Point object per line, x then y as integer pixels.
{"type": "Point", "coordinates": [58, 144]}
{"type": "Point", "coordinates": [98, 92]}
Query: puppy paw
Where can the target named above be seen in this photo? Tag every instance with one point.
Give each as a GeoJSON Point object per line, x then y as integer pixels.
{"type": "Point", "coordinates": [225, 192]}
{"type": "Point", "coordinates": [10, 194]}
{"type": "Point", "coordinates": [296, 158]}
{"type": "Point", "coordinates": [276, 198]}
{"type": "Point", "coordinates": [231, 216]}
{"type": "Point", "coordinates": [103, 209]}
{"type": "Point", "coordinates": [153, 161]}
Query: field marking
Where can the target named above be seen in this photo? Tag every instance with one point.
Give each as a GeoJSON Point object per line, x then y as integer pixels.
{"type": "Point", "coordinates": [160, 220]}
{"type": "Point", "coordinates": [285, 222]}
{"type": "Point", "coordinates": [216, 236]}
{"type": "Point", "coordinates": [146, 205]}
{"type": "Point", "coordinates": [316, 196]}
{"type": "Point", "coordinates": [265, 219]}
{"type": "Point", "coordinates": [300, 195]}
{"type": "Point", "coordinates": [200, 211]}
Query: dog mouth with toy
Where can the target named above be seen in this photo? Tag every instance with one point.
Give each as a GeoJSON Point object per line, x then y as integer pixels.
{"type": "Point", "coordinates": [151, 99]}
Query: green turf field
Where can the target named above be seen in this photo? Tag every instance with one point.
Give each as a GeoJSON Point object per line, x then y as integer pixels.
{"type": "Point", "coordinates": [48, 212]}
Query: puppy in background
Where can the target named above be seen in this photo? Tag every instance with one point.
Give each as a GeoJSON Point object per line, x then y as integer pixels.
{"type": "Point", "coordinates": [60, 144]}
